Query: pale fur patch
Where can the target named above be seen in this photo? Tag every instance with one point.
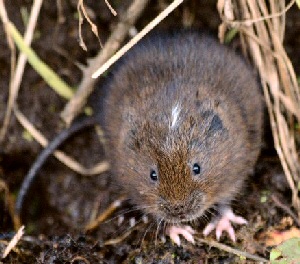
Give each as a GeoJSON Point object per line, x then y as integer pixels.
{"type": "Point", "coordinates": [175, 115]}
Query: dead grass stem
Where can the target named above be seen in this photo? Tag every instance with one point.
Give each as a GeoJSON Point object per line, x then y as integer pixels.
{"type": "Point", "coordinates": [17, 69]}
{"type": "Point", "coordinates": [262, 30]}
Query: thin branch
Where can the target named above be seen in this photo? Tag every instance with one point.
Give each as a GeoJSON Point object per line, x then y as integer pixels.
{"type": "Point", "coordinates": [81, 8]}
{"type": "Point", "coordinates": [231, 250]}
{"type": "Point", "coordinates": [18, 74]}
{"type": "Point", "coordinates": [62, 157]}
{"type": "Point", "coordinates": [102, 217]}
{"type": "Point", "coordinates": [111, 46]}
{"type": "Point", "coordinates": [13, 242]}
{"type": "Point", "coordinates": [285, 208]}
{"type": "Point", "coordinates": [113, 11]}
{"type": "Point", "coordinates": [137, 38]}
{"type": "Point", "coordinates": [11, 45]}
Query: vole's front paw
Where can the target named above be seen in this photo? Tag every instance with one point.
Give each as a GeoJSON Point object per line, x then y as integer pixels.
{"type": "Point", "coordinates": [186, 231]}
{"type": "Point", "coordinates": [224, 224]}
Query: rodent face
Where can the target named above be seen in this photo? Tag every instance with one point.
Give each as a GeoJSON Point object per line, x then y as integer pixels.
{"type": "Point", "coordinates": [176, 171]}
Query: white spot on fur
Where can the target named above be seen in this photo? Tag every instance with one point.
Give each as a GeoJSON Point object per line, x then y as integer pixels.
{"type": "Point", "coordinates": [175, 115]}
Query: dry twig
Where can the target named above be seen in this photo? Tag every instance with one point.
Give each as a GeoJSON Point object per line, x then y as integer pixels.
{"type": "Point", "coordinates": [10, 42]}
{"type": "Point", "coordinates": [111, 46]}
{"type": "Point", "coordinates": [113, 11]}
{"type": "Point", "coordinates": [62, 157]}
{"type": "Point", "coordinates": [285, 208]}
{"type": "Point", "coordinates": [81, 10]}
{"type": "Point", "coordinates": [13, 242]}
{"type": "Point", "coordinates": [121, 238]}
{"type": "Point", "coordinates": [93, 224]}
{"type": "Point", "coordinates": [17, 74]}
{"type": "Point", "coordinates": [231, 250]}
{"type": "Point", "coordinates": [137, 38]}
{"type": "Point", "coordinates": [80, 259]}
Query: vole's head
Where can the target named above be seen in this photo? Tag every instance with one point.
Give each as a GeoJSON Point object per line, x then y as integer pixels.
{"type": "Point", "coordinates": [178, 164]}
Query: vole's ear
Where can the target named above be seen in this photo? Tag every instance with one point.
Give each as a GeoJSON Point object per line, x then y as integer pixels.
{"type": "Point", "coordinates": [216, 124]}
{"type": "Point", "coordinates": [211, 122]}
{"type": "Point", "coordinates": [207, 109]}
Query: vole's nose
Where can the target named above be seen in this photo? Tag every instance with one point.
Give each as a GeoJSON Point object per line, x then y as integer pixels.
{"type": "Point", "coordinates": [181, 208]}
{"type": "Point", "coordinates": [178, 209]}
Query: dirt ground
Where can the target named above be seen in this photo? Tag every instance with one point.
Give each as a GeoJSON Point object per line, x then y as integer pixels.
{"type": "Point", "coordinates": [61, 202]}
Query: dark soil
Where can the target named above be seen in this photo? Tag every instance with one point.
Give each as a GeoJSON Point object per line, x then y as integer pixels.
{"type": "Point", "coordinates": [62, 202]}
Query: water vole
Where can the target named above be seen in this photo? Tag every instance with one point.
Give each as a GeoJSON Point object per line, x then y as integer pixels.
{"type": "Point", "coordinates": [183, 117]}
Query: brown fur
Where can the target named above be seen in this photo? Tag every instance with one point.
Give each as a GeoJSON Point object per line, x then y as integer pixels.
{"type": "Point", "coordinates": [219, 124]}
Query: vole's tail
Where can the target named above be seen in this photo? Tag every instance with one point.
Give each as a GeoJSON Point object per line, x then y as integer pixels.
{"type": "Point", "coordinates": [52, 146]}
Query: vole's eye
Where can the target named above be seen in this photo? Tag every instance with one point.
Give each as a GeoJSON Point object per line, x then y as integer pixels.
{"type": "Point", "coordinates": [196, 169]}
{"type": "Point", "coordinates": [153, 175]}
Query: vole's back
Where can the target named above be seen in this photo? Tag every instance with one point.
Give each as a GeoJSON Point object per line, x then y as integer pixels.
{"type": "Point", "coordinates": [183, 90]}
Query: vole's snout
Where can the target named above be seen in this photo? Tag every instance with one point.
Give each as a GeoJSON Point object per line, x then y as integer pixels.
{"type": "Point", "coordinates": [175, 210]}
{"type": "Point", "coordinates": [180, 210]}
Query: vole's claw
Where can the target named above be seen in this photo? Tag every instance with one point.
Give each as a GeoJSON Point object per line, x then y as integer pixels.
{"type": "Point", "coordinates": [186, 231]}
{"type": "Point", "coordinates": [224, 224]}
{"type": "Point", "coordinates": [210, 227]}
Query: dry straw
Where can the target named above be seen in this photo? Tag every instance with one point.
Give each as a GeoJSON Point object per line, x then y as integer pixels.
{"type": "Point", "coordinates": [262, 25]}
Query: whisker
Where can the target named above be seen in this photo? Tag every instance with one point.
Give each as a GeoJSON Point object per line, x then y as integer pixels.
{"type": "Point", "coordinates": [134, 226]}
{"type": "Point", "coordinates": [156, 233]}
{"type": "Point", "coordinates": [130, 210]}
{"type": "Point", "coordinates": [164, 229]}
{"type": "Point", "coordinates": [145, 233]}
